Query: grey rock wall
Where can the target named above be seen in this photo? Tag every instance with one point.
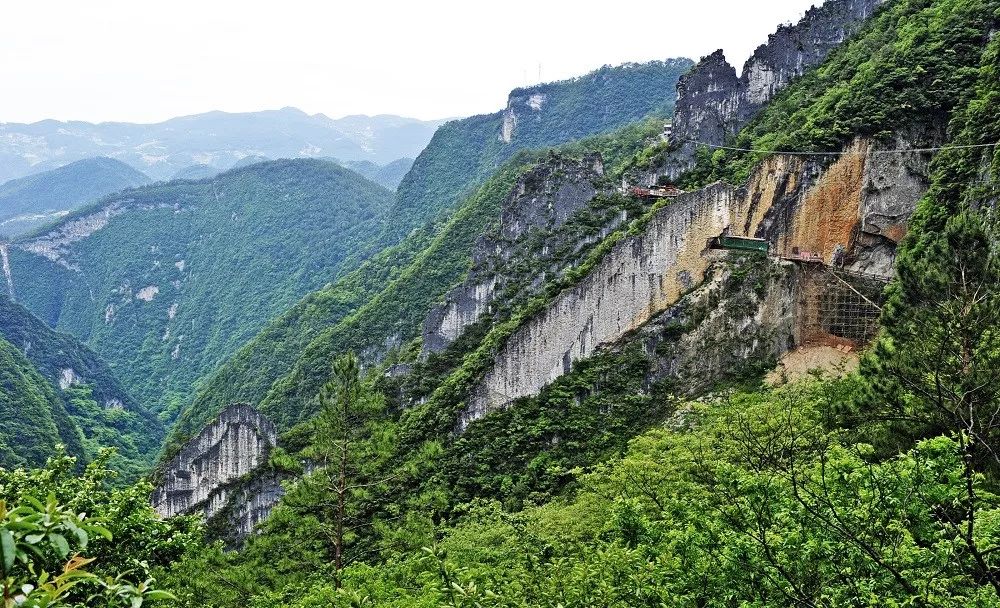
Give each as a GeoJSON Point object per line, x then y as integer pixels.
{"type": "Point", "coordinates": [539, 204]}
{"type": "Point", "coordinates": [713, 104]}
{"type": "Point", "coordinates": [835, 212]}
{"type": "Point", "coordinates": [221, 470]}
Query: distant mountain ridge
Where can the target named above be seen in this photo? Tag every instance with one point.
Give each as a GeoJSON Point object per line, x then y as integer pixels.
{"type": "Point", "coordinates": [216, 139]}
{"type": "Point", "coordinates": [30, 202]}
{"type": "Point", "coordinates": [463, 153]}
{"type": "Point", "coordinates": [387, 176]}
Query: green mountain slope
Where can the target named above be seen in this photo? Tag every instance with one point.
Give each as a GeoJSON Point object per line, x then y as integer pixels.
{"type": "Point", "coordinates": [166, 281]}
{"type": "Point", "coordinates": [97, 403]}
{"type": "Point", "coordinates": [750, 496]}
{"type": "Point", "coordinates": [376, 307]}
{"type": "Point", "coordinates": [463, 153]}
{"type": "Point", "coordinates": [388, 175]}
{"type": "Point", "coordinates": [460, 157]}
{"type": "Point", "coordinates": [33, 418]}
{"type": "Point", "coordinates": [32, 201]}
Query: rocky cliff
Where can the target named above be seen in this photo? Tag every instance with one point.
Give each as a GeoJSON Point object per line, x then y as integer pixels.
{"type": "Point", "coordinates": [849, 213]}
{"type": "Point", "coordinates": [713, 103]}
{"type": "Point", "coordinates": [529, 244]}
{"type": "Point", "coordinates": [223, 472]}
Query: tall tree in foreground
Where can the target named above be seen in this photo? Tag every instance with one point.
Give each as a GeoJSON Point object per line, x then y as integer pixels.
{"type": "Point", "coordinates": [340, 450]}
{"type": "Point", "coordinates": [936, 367]}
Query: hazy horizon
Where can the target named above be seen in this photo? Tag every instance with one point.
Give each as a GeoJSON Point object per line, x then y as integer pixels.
{"type": "Point", "coordinates": [122, 62]}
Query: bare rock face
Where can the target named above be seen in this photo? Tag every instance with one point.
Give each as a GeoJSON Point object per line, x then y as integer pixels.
{"type": "Point", "coordinates": [541, 202]}
{"type": "Point", "coordinates": [224, 471]}
{"type": "Point", "coordinates": [713, 104]}
{"type": "Point", "coordinates": [849, 213]}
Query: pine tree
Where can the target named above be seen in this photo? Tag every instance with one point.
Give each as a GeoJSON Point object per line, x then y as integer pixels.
{"type": "Point", "coordinates": [339, 451]}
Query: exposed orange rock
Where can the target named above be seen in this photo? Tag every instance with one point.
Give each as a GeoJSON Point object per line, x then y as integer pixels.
{"type": "Point", "coordinates": [830, 212]}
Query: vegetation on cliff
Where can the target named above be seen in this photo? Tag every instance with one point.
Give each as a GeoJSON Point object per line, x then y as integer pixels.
{"type": "Point", "coordinates": [876, 489]}
{"type": "Point", "coordinates": [30, 202]}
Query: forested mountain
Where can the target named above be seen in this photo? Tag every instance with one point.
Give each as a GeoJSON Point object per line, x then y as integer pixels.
{"type": "Point", "coordinates": [567, 381]}
{"type": "Point", "coordinates": [166, 281]}
{"type": "Point", "coordinates": [30, 202]}
{"type": "Point", "coordinates": [388, 175]}
{"type": "Point", "coordinates": [571, 362]}
{"type": "Point", "coordinates": [87, 402]}
{"type": "Point", "coordinates": [34, 417]}
{"type": "Point", "coordinates": [216, 139]}
{"type": "Point", "coordinates": [444, 181]}
{"type": "Point", "coordinates": [462, 153]}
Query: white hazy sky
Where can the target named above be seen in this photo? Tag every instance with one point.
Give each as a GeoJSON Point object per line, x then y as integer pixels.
{"type": "Point", "coordinates": [148, 60]}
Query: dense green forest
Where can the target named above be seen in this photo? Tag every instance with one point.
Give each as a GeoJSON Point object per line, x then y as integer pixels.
{"type": "Point", "coordinates": [874, 489]}
{"type": "Point", "coordinates": [30, 202]}
{"type": "Point", "coordinates": [388, 296]}
{"type": "Point", "coordinates": [34, 417]}
{"type": "Point", "coordinates": [441, 207]}
{"type": "Point", "coordinates": [464, 152]}
{"type": "Point", "coordinates": [73, 538]}
{"type": "Point", "coordinates": [90, 402]}
{"type": "Point", "coordinates": [188, 271]}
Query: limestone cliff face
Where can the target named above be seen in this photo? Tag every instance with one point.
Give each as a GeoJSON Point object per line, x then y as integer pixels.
{"type": "Point", "coordinates": [531, 216]}
{"type": "Point", "coordinates": [222, 471]}
{"type": "Point", "coordinates": [743, 315]}
{"type": "Point", "coordinates": [713, 103]}
{"type": "Point", "coordinates": [841, 213]}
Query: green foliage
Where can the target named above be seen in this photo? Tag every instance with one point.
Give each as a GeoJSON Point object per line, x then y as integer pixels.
{"type": "Point", "coordinates": [71, 540]}
{"type": "Point", "coordinates": [463, 153]}
{"type": "Point", "coordinates": [907, 69]}
{"type": "Point", "coordinates": [386, 298]}
{"type": "Point", "coordinates": [747, 499]}
{"type": "Point", "coordinates": [33, 418]}
{"type": "Point", "coordinates": [936, 360]}
{"type": "Point", "coordinates": [30, 202]}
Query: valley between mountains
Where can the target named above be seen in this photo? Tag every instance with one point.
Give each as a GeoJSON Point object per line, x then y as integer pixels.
{"type": "Point", "coordinates": [663, 334]}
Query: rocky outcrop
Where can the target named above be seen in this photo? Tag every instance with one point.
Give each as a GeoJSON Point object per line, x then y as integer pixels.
{"type": "Point", "coordinates": [223, 471]}
{"type": "Point", "coordinates": [5, 263]}
{"type": "Point", "coordinates": [713, 104]}
{"type": "Point", "coordinates": [56, 244]}
{"type": "Point", "coordinates": [531, 216]}
{"type": "Point", "coordinates": [742, 317]}
{"type": "Point", "coordinates": [801, 206]}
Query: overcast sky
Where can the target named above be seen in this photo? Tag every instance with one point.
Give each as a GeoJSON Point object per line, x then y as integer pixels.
{"type": "Point", "coordinates": [147, 60]}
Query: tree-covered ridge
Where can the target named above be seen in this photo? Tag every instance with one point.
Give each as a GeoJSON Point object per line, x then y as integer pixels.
{"type": "Point", "coordinates": [876, 490]}
{"type": "Point", "coordinates": [904, 74]}
{"type": "Point", "coordinates": [463, 153]}
{"type": "Point", "coordinates": [95, 401]}
{"type": "Point", "coordinates": [185, 272]}
{"type": "Point", "coordinates": [387, 176]}
{"type": "Point", "coordinates": [33, 417]}
{"type": "Point", "coordinates": [30, 202]}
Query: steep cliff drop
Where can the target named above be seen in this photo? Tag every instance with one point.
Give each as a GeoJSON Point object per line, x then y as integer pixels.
{"type": "Point", "coordinates": [223, 474]}
{"type": "Point", "coordinates": [848, 214]}
{"type": "Point", "coordinates": [6, 270]}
